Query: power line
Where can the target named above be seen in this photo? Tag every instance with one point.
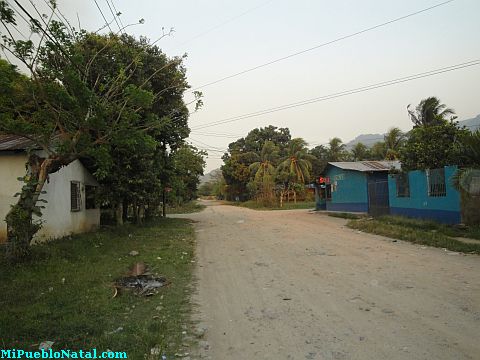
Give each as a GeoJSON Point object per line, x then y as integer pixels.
{"type": "Point", "coordinates": [19, 14]}
{"type": "Point", "coordinates": [226, 22]}
{"type": "Point", "coordinates": [323, 44]}
{"type": "Point", "coordinates": [209, 147]}
{"type": "Point", "coordinates": [45, 32]}
{"type": "Point", "coordinates": [341, 94]}
{"type": "Point", "coordinates": [114, 16]}
{"type": "Point", "coordinates": [118, 13]}
{"type": "Point", "coordinates": [218, 135]}
{"type": "Point", "coordinates": [103, 16]}
{"type": "Point", "coordinates": [312, 144]}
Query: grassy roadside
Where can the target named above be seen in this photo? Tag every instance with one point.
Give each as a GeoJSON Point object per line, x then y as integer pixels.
{"type": "Point", "coordinates": [344, 215]}
{"type": "Point", "coordinates": [65, 294]}
{"type": "Point", "coordinates": [420, 232]}
{"type": "Point", "coordinates": [252, 204]}
{"type": "Point", "coordinates": [187, 208]}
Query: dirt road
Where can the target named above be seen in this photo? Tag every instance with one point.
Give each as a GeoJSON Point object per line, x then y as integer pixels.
{"type": "Point", "coordinates": [296, 285]}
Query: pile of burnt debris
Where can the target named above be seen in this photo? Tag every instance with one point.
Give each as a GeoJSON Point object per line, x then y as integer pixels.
{"type": "Point", "coordinates": [140, 280]}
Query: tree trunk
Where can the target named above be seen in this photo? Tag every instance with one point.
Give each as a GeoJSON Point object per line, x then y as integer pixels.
{"type": "Point", "coordinates": [20, 224]}
{"type": "Point", "coordinates": [294, 197]}
{"type": "Point", "coordinates": [119, 214]}
{"type": "Point", "coordinates": [141, 214]}
{"type": "Point", "coordinates": [135, 212]}
{"type": "Point", "coordinates": [125, 211]}
{"type": "Point", "coordinates": [149, 212]}
{"type": "Point", "coordinates": [164, 203]}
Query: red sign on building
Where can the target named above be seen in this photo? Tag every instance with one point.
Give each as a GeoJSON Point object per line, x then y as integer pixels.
{"type": "Point", "coordinates": [324, 180]}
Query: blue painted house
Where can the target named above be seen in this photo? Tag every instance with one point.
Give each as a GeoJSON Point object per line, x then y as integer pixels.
{"type": "Point", "coordinates": [360, 186]}
{"type": "Point", "coordinates": [370, 187]}
{"type": "Point", "coordinates": [426, 194]}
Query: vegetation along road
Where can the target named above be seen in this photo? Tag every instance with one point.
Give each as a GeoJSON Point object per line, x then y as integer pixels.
{"type": "Point", "coordinates": [300, 285]}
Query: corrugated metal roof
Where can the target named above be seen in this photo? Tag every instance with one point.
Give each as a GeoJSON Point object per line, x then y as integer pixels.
{"type": "Point", "coordinates": [14, 142]}
{"type": "Point", "coordinates": [367, 165]}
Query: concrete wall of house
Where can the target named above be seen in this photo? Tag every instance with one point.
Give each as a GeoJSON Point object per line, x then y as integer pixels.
{"type": "Point", "coordinates": [11, 167]}
{"type": "Point", "coordinates": [350, 190]}
{"type": "Point", "coordinates": [445, 209]}
{"type": "Point", "coordinates": [58, 219]}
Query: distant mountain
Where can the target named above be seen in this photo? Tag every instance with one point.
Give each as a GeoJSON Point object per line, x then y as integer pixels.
{"type": "Point", "coordinates": [471, 124]}
{"type": "Point", "coordinates": [366, 139]}
{"type": "Point", "coordinates": [210, 176]}
{"type": "Point", "coordinates": [370, 139]}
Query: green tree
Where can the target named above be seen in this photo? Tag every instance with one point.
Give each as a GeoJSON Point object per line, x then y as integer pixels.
{"type": "Point", "coordinates": [264, 170]}
{"type": "Point", "coordinates": [337, 150]}
{"type": "Point", "coordinates": [139, 186]}
{"type": "Point", "coordinates": [319, 160]}
{"type": "Point", "coordinates": [360, 152]}
{"type": "Point", "coordinates": [394, 139]}
{"type": "Point", "coordinates": [264, 167]}
{"type": "Point", "coordinates": [378, 151]}
{"type": "Point", "coordinates": [244, 152]}
{"type": "Point", "coordinates": [214, 187]}
{"type": "Point", "coordinates": [256, 138]}
{"type": "Point", "coordinates": [296, 166]}
{"type": "Point", "coordinates": [464, 176]}
{"type": "Point", "coordinates": [430, 111]}
{"type": "Point", "coordinates": [297, 162]}
{"type": "Point", "coordinates": [219, 187]}
{"type": "Point", "coordinates": [434, 146]}
{"type": "Point", "coordinates": [472, 148]}
{"type": "Point", "coordinates": [466, 179]}
{"type": "Point", "coordinates": [206, 189]}
{"type": "Point", "coordinates": [188, 164]}
{"type": "Point", "coordinates": [77, 102]}
{"type": "Point", "coordinates": [236, 173]}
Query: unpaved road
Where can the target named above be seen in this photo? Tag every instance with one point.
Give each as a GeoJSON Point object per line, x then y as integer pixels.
{"type": "Point", "coordinates": [296, 285]}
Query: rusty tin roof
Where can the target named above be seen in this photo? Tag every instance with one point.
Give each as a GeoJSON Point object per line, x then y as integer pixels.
{"type": "Point", "coordinates": [14, 142]}
{"type": "Point", "coordinates": [367, 165]}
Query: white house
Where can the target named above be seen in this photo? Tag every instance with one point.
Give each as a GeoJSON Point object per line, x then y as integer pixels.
{"type": "Point", "coordinates": [70, 193]}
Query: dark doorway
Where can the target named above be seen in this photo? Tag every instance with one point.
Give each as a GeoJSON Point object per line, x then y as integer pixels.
{"type": "Point", "coordinates": [378, 202]}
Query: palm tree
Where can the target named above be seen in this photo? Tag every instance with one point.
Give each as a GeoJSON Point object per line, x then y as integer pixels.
{"type": "Point", "coordinates": [360, 152]}
{"type": "Point", "coordinates": [297, 165]}
{"type": "Point", "coordinates": [394, 140]}
{"type": "Point", "coordinates": [430, 111]}
{"type": "Point", "coordinates": [298, 162]}
{"type": "Point", "coordinates": [264, 170]}
{"type": "Point", "coordinates": [336, 150]}
{"type": "Point", "coordinates": [378, 151]}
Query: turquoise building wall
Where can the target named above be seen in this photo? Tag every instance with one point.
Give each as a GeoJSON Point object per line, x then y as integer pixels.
{"type": "Point", "coordinates": [445, 209]}
{"type": "Point", "coordinates": [351, 190]}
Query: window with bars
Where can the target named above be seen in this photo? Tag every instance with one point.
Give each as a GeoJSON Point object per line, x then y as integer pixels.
{"type": "Point", "coordinates": [436, 182]}
{"type": "Point", "coordinates": [403, 185]}
{"type": "Point", "coordinates": [75, 196]}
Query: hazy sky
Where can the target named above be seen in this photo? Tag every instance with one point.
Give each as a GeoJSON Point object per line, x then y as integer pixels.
{"type": "Point", "coordinates": [225, 37]}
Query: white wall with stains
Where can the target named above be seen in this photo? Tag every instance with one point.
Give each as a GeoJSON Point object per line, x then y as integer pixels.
{"type": "Point", "coordinates": [57, 217]}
